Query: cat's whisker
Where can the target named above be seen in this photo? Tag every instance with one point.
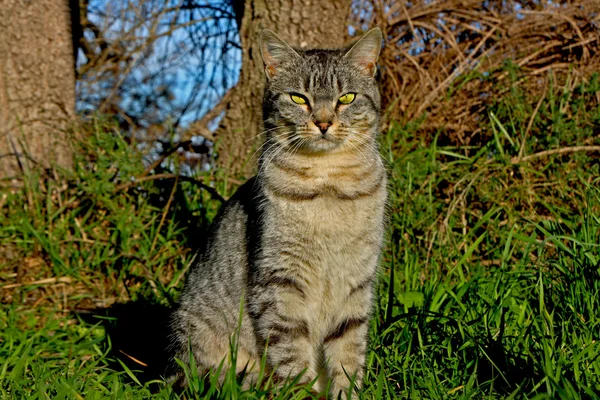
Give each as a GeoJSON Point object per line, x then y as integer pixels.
{"type": "Point", "coordinates": [354, 135]}
{"type": "Point", "coordinates": [273, 139]}
{"type": "Point", "coordinates": [355, 146]}
{"type": "Point", "coordinates": [268, 161]}
{"type": "Point", "coordinates": [386, 151]}
{"type": "Point", "coordinates": [272, 157]}
{"type": "Point", "coordinates": [298, 146]}
{"type": "Point", "coordinates": [365, 141]}
{"type": "Point", "coordinates": [267, 131]}
{"type": "Point", "coordinates": [270, 141]}
{"type": "Point", "coordinates": [267, 156]}
{"type": "Point", "coordinates": [377, 149]}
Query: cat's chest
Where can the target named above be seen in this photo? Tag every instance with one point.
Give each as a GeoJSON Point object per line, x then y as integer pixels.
{"type": "Point", "coordinates": [333, 237]}
{"type": "Point", "coordinates": [325, 219]}
{"type": "Point", "coordinates": [326, 229]}
{"type": "Point", "coordinates": [331, 245]}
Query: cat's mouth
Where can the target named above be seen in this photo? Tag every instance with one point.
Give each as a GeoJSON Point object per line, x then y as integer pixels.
{"type": "Point", "coordinates": [315, 141]}
{"type": "Point", "coordinates": [321, 142]}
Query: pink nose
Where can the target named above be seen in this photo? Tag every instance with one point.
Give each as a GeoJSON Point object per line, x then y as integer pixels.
{"type": "Point", "coordinates": [323, 126]}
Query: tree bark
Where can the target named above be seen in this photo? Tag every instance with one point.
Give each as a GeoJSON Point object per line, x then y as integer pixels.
{"type": "Point", "coordinates": [304, 24]}
{"type": "Point", "coordinates": [37, 83]}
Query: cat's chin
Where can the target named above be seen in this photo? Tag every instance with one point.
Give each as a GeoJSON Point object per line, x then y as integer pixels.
{"type": "Point", "coordinates": [323, 145]}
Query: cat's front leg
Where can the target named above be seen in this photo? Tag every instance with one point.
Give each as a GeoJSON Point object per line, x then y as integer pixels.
{"type": "Point", "coordinates": [345, 349]}
{"type": "Point", "coordinates": [345, 344]}
{"type": "Point", "coordinates": [281, 317]}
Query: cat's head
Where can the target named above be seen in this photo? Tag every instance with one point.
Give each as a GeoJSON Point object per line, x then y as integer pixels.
{"type": "Point", "coordinates": [321, 100]}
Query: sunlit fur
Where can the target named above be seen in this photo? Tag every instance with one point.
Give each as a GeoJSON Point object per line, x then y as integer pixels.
{"type": "Point", "coordinates": [298, 245]}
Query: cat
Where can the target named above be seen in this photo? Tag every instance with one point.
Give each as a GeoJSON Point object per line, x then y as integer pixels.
{"type": "Point", "coordinates": [296, 248]}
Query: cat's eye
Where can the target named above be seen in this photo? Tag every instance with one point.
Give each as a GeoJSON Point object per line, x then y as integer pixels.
{"type": "Point", "coordinates": [298, 99]}
{"type": "Point", "coordinates": [347, 98]}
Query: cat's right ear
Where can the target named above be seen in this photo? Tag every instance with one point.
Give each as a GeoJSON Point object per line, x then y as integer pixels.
{"type": "Point", "coordinates": [274, 52]}
{"type": "Point", "coordinates": [365, 52]}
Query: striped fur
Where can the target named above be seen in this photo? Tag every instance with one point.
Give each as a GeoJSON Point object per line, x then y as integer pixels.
{"type": "Point", "coordinates": [298, 245]}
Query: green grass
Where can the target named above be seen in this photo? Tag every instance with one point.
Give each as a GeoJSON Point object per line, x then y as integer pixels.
{"type": "Point", "coordinates": [490, 283]}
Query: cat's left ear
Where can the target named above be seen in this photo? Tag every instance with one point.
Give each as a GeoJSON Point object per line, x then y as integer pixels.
{"type": "Point", "coordinates": [274, 52]}
{"type": "Point", "coordinates": [365, 52]}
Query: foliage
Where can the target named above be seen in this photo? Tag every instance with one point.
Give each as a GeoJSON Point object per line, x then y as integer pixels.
{"type": "Point", "coordinates": [490, 283]}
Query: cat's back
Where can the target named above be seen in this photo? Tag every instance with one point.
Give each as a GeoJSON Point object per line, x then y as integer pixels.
{"type": "Point", "coordinates": [210, 302]}
{"type": "Point", "coordinates": [209, 306]}
{"type": "Point", "coordinates": [223, 260]}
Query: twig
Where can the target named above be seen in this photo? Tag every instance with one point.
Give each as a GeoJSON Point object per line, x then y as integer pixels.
{"type": "Point", "coordinates": [160, 224]}
{"type": "Point", "coordinates": [200, 127]}
{"type": "Point", "coordinates": [164, 215]}
{"type": "Point", "coordinates": [183, 273]}
{"type": "Point", "coordinates": [143, 364]}
{"type": "Point", "coordinates": [459, 70]}
{"type": "Point", "coordinates": [164, 155]}
{"type": "Point", "coordinates": [530, 124]}
{"type": "Point", "coordinates": [46, 281]}
{"type": "Point", "coordinates": [564, 150]}
{"type": "Point", "coordinates": [215, 195]}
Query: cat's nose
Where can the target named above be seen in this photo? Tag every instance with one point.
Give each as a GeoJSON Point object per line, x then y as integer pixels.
{"type": "Point", "coordinates": [323, 126]}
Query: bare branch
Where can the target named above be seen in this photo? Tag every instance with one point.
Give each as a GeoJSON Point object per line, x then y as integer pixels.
{"type": "Point", "coordinates": [563, 150]}
{"type": "Point", "coordinates": [212, 191]}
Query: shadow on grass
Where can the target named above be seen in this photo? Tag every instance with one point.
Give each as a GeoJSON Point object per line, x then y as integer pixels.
{"type": "Point", "coordinates": [139, 337]}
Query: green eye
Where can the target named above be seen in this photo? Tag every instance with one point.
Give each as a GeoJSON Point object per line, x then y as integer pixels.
{"type": "Point", "coordinates": [298, 99]}
{"type": "Point", "coordinates": [347, 98]}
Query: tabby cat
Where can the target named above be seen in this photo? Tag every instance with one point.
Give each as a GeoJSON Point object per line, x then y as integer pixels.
{"type": "Point", "coordinates": [297, 246]}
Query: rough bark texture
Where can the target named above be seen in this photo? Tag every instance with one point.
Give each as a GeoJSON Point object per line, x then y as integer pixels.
{"type": "Point", "coordinates": [305, 24]}
{"type": "Point", "coordinates": [37, 83]}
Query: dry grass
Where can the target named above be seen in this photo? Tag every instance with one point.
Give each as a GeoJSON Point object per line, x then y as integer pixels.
{"type": "Point", "coordinates": [435, 47]}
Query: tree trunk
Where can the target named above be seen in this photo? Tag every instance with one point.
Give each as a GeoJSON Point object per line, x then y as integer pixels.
{"type": "Point", "coordinates": [37, 83]}
{"type": "Point", "coordinates": [304, 24]}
